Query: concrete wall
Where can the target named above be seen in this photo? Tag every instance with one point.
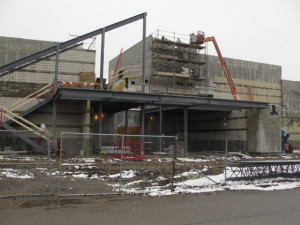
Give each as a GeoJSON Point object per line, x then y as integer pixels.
{"type": "Point", "coordinates": [132, 57]}
{"type": "Point", "coordinates": [12, 49]}
{"type": "Point", "coordinates": [25, 80]}
{"type": "Point", "coordinates": [291, 109]}
{"type": "Point", "coordinates": [264, 130]}
{"type": "Point", "coordinates": [264, 79]}
{"type": "Point", "coordinates": [22, 82]}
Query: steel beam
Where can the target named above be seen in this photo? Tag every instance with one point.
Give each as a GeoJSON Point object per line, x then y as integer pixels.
{"type": "Point", "coordinates": [263, 169]}
{"type": "Point", "coordinates": [102, 58]}
{"type": "Point", "coordinates": [185, 130]}
{"type": "Point", "coordinates": [24, 138]}
{"type": "Point", "coordinates": [160, 127]}
{"type": "Point", "coordinates": [100, 124]}
{"type": "Point", "coordinates": [126, 121]}
{"type": "Point", "coordinates": [144, 54]}
{"type": "Point", "coordinates": [56, 69]}
{"type": "Point", "coordinates": [54, 119]}
{"type": "Point", "coordinates": [71, 42]}
{"type": "Point", "coordinates": [193, 103]}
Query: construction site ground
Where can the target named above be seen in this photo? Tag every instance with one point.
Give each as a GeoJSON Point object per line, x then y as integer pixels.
{"type": "Point", "coordinates": [101, 174]}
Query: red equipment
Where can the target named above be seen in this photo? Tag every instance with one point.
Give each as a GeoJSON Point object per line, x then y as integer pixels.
{"type": "Point", "coordinates": [200, 39]}
{"type": "Point", "coordinates": [130, 150]}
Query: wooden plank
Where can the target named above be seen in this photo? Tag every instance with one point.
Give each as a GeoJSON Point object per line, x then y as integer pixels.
{"type": "Point", "coordinates": [177, 75]}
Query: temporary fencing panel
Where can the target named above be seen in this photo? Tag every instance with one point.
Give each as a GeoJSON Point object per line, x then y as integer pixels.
{"type": "Point", "coordinates": [92, 164]}
{"type": "Point", "coordinates": [25, 164]}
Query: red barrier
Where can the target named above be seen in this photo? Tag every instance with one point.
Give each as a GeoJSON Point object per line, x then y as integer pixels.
{"type": "Point", "coordinates": [132, 150]}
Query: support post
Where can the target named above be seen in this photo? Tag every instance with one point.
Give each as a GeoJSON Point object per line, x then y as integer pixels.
{"type": "Point", "coordinates": [226, 159]}
{"type": "Point", "coordinates": [86, 118]}
{"type": "Point", "coordinates": [142, 129]}
{"type": "Point", "coordinates": [56, 69]}
{"type": "Point", "coordinates": [54, 116]}
{"type": "Point", "coordinates": [160, 128]}
{"type": "Point", "coordinates": [49, 162]}
{"type": "Point", "coordinates": [142, 120]}
{"type": "Point", "coordinates": [174, 163]}
{"type": "Point", "coordinates": [144, 54]}
{"type": "Point", "coordinates": [126, 122]}
{"type": "Point", "coordinates": [102, 58]}
{"type": "Point", "coordinates": [100, 124]}
{"type": "Point", "coordinates": [185, 130]}
{"type": "Point", "coordinates": [54, 106]}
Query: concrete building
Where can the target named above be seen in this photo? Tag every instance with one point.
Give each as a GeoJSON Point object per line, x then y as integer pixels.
{"type": "Point", "coordinates": [174, 66]}
{"type": "Point", "coordinates": [75, 65]}
{"type": "Point", "coordinates": [291, 109]}
{"type": "Point", "coordinates": [186, 95]}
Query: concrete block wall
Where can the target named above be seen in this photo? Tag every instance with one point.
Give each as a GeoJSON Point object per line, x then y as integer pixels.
{"type": "Point", "coordinates": [133, 57]}
{"type": "Point", "coordinates": [291, 110]}
{"type": "Point", "coordinates": [12, 49]}
{"type": "Point", "coordinates": [24, 81]}
{"type": "Point", "coordinates": [67, 118]}
{"type": "Point", "coordinates": [264, 79]}
{"type": "Point", "coordinates": [264, 130]}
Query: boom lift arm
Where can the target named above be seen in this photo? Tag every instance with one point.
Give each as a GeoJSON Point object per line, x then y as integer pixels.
{"type": "Point", "coordinates": [200, 39]}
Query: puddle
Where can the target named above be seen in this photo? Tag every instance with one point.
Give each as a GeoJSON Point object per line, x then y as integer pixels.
{"type": "Point", "coordinates": [50, 202]}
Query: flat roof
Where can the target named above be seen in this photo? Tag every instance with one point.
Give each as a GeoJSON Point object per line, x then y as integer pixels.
{"type": "Point", "coordinates": [116, 101]}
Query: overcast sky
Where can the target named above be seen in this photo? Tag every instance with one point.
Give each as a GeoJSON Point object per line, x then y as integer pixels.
{"type": "Point", "coordinates": [266, 31]}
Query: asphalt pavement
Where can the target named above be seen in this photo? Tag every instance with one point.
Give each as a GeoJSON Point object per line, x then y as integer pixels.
{"type": "Point", "coordinates": [240, 208]}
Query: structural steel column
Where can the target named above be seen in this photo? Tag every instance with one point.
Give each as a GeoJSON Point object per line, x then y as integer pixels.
{"type": "Point", "coordinates": [54, 106]}
{"type": "Point", "coordinates": [56, 69]}
{"type": "Point", "coordinates": [86, 125]}
{"type": "Point", "coordinates": [54, 113]}
{"type": "Point", "coordinates": [142, 129]}
{"type": "Point", "coordinates": [126, 122]}
{"type": "Point", "coordinates": [142, 120]}
{"type": "Point", "coordinates": [160, 127]}
{"type": "Point", "coordinates": [144, 54]}
{"type": "Point", "coordinates": [185, 130]}
{"type": "Point", "coordinates": [102, 58]}
{"type": "Point", "coordinates": [100, 124]}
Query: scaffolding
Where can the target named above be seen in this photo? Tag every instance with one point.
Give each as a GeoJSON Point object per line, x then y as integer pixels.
{"type": "Point", "coordinates": [178, 67]}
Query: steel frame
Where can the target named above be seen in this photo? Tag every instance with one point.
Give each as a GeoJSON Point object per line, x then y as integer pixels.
{"type": "Point", "coordinates": [264, 169]}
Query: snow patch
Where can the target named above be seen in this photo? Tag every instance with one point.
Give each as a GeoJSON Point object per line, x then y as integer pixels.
{"type": "Point", "coordinates": [18, 174]}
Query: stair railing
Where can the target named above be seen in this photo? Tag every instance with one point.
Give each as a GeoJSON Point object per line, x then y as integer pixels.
{"type": "Point", "coordinates": [30, 98]}
{"type": "Point", "coordinates": [6, 115]}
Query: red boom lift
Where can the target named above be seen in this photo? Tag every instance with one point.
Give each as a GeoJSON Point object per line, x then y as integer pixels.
{"type": "Point", "coordinates": [200, 39]}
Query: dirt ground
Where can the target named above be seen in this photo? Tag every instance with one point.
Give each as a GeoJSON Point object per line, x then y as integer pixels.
{"type": "Point", "coordinates": [100, 174]}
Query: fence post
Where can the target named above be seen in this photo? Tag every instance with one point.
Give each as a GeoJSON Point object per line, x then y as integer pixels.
{"type": "Point", "coordinates": [60, 162]}
{"type": "Point", "coordinates": [121, 166]}
{"type": "Point", "coordinates": [49, 162]}
{"type": "Point", "coordinates": [226, 155]}
{"type": "Point", "coordinates": [173, 163]}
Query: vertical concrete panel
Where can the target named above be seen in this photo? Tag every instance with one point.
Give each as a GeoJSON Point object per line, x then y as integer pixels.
{"type": "Point", "coordinates": [264, 131]}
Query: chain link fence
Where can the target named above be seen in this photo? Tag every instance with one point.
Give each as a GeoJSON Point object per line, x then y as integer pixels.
{"type": "Point", "coordinates": [95, 164]}
{"type": "Point", "coordinates": [100, 164]}
{"type": "Point", "coordinates": [214, 142]}
{"type": "Point", "coordinates": [203, 165]}
{"type": "Point", "coordinates": [25, 164]}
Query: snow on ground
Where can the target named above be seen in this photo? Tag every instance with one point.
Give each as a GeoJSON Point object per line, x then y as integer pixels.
{"type": "Point", "coordinates": [193, 181]}
{"type": "Point", "coordinates": [216, 183]}
{"type": "Point", "coordinates": [125, 174]}
{"type": "Point", "coordinates": [14, 173]}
